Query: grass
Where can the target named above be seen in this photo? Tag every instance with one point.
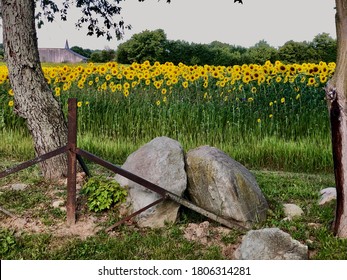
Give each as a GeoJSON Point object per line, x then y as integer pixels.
{"type": "Point", "coordinates": [128, 242]}
{"type": "Point", "coordinates": [128, 245]}
{"type": "Point", "coordinates": [270, 153]}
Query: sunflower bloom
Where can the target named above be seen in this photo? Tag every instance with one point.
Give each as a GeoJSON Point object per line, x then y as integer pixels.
{"type": "Point", "coordinates": [104, 86]}
{"type": "Point", "coordinates": [126, 85]}
{"type": "Point", "coordinates": [57, 91]}
{"type": "Point", "coordinates": [323, 78]}
{"type": "Point", "coordinates": [311, 81]}
{"type": "Point", "coordinates": [126, 92]}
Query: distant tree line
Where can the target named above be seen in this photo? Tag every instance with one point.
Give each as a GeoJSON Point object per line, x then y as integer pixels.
{"type": "Point", "coordinates": [96, 55]}
{"type": "Point", "coordinates": [154, 46]}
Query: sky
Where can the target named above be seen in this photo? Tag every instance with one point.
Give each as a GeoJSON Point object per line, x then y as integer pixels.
{"type": "Point", "coordinates": [205, 21]}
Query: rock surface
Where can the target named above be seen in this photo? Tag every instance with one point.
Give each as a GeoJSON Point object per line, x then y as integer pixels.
{"type": "Point", "coordinates": [19, 187]}
{"type": "Point", "coordinates": [327, 195]}
{"type": "Point", "coordinates": [270, 244]}
{"type": "Point", "coordinates": [59, 204]}
{"type": "Point", "coordinates": [223, 186]}
{"type": "Point", "coordinates": [16, 187]}
{"type": "Point", "coordinates": [161, 162]}
{"type": "Point", "coordinates": [292, 211]}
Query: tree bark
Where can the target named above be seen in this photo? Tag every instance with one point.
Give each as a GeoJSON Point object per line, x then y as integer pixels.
{"type": "Point", "coordinates": [336, 92]}
{"type": "Point", "coordinates": [34, 100]}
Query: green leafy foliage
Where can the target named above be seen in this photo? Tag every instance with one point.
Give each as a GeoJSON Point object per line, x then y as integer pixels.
{"type": "Point", "coordinates": [103, 193]}
{"type": "Point", "coordinates": [154, 46]}
{"type": "Point", "coordinates": [7, 241]}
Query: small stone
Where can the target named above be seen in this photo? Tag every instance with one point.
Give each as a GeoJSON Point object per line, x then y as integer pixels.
{"type": "Point", "coordinates": [314, 225]}
{"type": "Point", "coordinates": [309, 242]}
{"type": "Point", "coordinates": [292, 211]}
{"type": "Point", "coordinates": [57, 203]}
{"type": "Point", "coordinates": [18, 187]}
{"type": "Point", "coordinates": [327, 195]}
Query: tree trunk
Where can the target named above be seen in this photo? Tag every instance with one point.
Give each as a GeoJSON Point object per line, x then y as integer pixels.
{"type": "Point", "coordinates": [34, 100]}
{"type": "Point", "coordinates": [336, 92]}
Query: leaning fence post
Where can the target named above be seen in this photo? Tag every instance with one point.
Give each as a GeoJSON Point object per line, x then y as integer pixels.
{"type": "Point", "coordinates": [71, 160]}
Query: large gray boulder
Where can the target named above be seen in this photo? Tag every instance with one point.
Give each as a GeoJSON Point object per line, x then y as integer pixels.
{"type": "Point", "coordinates": [219, 184]}
{"type": "Point", "coordinates": [270, 244]}
{"type": "Point", "coordinates": [161, 162]}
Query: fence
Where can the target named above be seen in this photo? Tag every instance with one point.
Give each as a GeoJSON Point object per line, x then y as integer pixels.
{"type": "Point", "coordinates": [75, 154]}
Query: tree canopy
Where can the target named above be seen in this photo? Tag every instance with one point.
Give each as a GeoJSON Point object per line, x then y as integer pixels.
{"type": "Point", "coordinates": [154, 46]}
{"type": "Point", "coordinates": [91, 12]}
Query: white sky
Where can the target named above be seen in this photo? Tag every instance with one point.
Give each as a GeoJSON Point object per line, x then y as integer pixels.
{"type": "Point", "coordinates": [203, 21]}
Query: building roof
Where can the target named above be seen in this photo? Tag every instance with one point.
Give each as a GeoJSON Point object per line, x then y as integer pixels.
{"type": "Point", "coordinates": [60, 55]}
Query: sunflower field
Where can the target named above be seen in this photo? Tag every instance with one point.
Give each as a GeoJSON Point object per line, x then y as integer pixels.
{"type": "Point", "coordinates": [269, 116]}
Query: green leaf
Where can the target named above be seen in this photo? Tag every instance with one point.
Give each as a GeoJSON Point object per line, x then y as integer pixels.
{"type": "Point", "coordinates": [103, 193]}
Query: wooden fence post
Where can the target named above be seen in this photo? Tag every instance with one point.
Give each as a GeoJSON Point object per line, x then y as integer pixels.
{"type": "Point", "coordinates": [71, 158]}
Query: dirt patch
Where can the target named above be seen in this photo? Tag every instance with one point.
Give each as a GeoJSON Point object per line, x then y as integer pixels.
{"type": "Point", "coordinates": [84, 227]}
{"type": "Point", "coordinates": [209, 235]}
{"type": "Point", "coordinates": [22, 224]}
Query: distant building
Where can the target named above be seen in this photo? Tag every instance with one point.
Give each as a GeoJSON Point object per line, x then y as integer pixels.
{"type": "Point", "coordinates": [60, 55]}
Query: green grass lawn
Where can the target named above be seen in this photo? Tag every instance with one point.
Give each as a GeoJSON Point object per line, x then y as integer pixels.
{"type": "Point", "coordinates": [129, 242]}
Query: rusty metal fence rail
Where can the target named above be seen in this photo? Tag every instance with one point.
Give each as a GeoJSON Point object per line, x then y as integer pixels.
{"type": "Point", "coordinates": [75, 154]}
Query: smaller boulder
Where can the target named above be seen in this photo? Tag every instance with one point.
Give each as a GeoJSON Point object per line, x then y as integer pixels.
{"type": "Point", "coordinates": [19, 187]}
{"type": "Point", "coordinates": [270, 244]}
{"type": "Point", "coordinates": [327, 195]}
{"type": "Point", "coordinates": [57, 203]}
{"type": "Point", "coordinates": [292, 211]}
